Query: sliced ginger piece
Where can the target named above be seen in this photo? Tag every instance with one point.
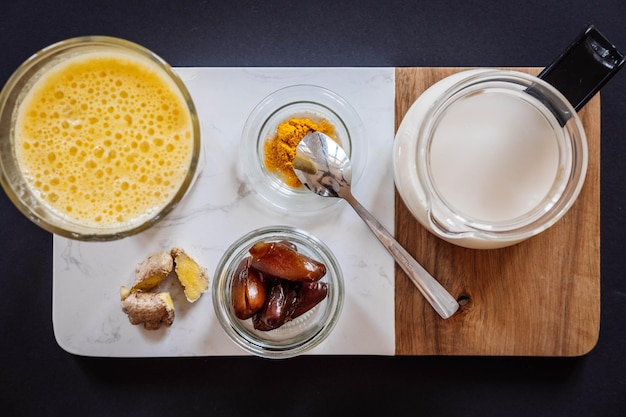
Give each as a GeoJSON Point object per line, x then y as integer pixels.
{"type": "Point", "coordinates": [193, 277]}
{"type": "Point", "coordinates": [153, 270]}
{"type": "Point", "coordinates": [150, 309]}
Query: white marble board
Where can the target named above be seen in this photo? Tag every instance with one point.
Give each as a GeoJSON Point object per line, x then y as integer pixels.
{"type": "Point", "coordinates": [219, 209]}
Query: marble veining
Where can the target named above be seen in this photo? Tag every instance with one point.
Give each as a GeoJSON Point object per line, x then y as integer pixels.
{"type": "Point", "coordinates": [220, 208]}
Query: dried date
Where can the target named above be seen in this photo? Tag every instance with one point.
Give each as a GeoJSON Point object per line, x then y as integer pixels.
{"type": "Point", "coordinates": [310, 295]}
{"type": "Point", "coordinates": [281, 300]}
{"type": "Point", "coordinates": [281, 260]}
{"type": "Point", "coordinates": [248, 290]}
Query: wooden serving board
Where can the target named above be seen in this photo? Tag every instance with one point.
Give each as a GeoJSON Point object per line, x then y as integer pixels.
{"type": "Point", "coordinates": [538, 298]}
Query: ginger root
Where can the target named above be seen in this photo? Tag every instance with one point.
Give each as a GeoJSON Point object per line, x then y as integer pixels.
{"type": "Point", "coordinates": [154, 269]}
{"type": "Point", "coordinates": [150, 309]}
{"type": "Point", "coordinates": [153, 309]}
{"type": "Point", "coordinates": [193, 277]}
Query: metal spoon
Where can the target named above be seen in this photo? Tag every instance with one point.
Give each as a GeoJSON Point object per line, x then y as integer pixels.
{"type": "Point", "coordinates": [324, 168]}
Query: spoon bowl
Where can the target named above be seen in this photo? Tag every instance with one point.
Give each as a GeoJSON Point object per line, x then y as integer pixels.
{"type": "Point", "coordinates": [324, 168]}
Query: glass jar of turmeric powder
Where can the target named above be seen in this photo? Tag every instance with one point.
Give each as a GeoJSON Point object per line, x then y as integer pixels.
{"type": "Point", "coordinates": [273, 130]}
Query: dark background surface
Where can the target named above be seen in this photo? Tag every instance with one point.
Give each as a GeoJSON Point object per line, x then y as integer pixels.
{"type": "Point", "coordinates": [39, 378]}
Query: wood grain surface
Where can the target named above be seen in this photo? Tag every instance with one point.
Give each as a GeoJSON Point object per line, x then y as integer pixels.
{"type": "Point", "coordinates": [538, 298]}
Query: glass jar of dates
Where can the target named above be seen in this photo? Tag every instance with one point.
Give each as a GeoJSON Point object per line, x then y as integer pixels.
{"type": "Point", "coordinates": [301, 286]}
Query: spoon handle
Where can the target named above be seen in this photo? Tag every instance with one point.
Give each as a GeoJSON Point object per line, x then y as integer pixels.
{"type": "Point", "coordinates": [438, 297]}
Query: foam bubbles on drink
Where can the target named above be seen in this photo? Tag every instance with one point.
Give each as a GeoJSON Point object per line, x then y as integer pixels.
{"type": "Point", "coordinates": [104, 139]}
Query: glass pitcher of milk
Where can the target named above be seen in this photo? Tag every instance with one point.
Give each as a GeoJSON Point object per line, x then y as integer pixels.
{"type": "Point", "coordinates": [487, 158]}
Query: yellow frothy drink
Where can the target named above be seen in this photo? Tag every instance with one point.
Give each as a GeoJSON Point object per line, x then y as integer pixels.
{"type": "Point", "coordinates": [104, 139]}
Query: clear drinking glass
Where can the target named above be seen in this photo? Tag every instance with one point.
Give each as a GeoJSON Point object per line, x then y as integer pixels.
{"type": "Point", "coordinates": [28, 199]}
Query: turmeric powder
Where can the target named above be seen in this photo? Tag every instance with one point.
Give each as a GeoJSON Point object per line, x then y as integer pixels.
{"type": "Point", "coordinates": [280, 151]}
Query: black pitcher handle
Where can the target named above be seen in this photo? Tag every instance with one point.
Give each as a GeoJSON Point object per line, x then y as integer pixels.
{"type": "Point", "coordinates": [584, 67]}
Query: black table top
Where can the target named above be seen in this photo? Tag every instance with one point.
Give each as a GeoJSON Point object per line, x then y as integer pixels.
{"type": "Point", "coordinates": [39, 378]}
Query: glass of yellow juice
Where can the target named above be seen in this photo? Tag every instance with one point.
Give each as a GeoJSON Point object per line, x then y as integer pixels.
{"type": "Point", "coordinates": [99, 138]}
